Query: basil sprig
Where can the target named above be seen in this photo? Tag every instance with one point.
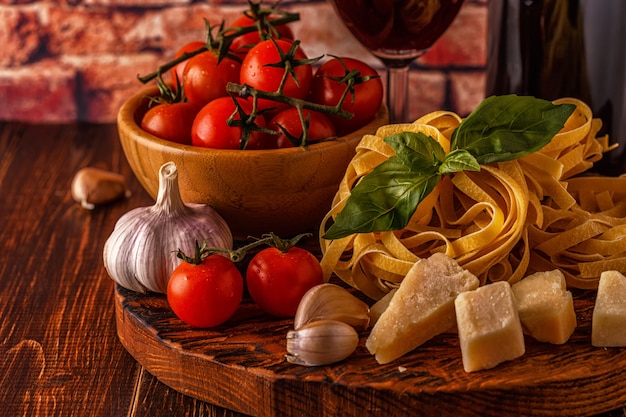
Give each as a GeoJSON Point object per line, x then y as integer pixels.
{"type": "Point", "coordinates": [501, 128]}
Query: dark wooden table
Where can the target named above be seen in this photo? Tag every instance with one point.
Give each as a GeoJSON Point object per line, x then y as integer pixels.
{"type": "Point", "coordinates": [59, 350]}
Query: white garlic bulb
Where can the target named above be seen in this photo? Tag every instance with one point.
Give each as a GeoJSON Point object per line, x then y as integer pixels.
{"type": "Point", "coordinates": [140, 254]}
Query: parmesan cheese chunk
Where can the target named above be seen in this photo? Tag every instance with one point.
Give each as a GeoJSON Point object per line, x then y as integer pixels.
{"type": "Point", "coordinates": [489, 328]}
{"type": "Point", "coordinates": [608, 323]}
{"type": "Point", "coordinates": [546, 308]}
{"type": "Point", "coordinates": [421, 308]}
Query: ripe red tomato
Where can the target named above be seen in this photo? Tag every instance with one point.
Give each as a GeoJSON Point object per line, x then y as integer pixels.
{"type": "Point", "coordinates": [320, 127]}
{"type": "Point", "coordinates": [211, 130]}
{"type": "Point", "coordinates": [277, 280]}
{"type": "Point", "coordinates": [242, 44]}
{"type": "Point", "coordinates": [257, 72]}
{"type": "Point", "coordinates": [171, 121]}
{"type": "Point", "coordinates": [178, 70]}
{"type": "Point", "coordinates": [207, 294]}
{"type": "Point", "coordinates": [365, 101]}
{"type": "Point", "coordinates": [205, 80]}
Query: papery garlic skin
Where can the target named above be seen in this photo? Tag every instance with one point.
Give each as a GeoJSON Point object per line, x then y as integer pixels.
{"type": "Point", "coordinates": [140, 254]}
{"type": "Point", "coordinates": [332, 302]}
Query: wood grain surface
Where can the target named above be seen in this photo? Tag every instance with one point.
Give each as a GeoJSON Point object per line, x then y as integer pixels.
{"type": "Point", "coordinates": [240, 365]}
{"type": "Point", "coordinates": [60, 354]}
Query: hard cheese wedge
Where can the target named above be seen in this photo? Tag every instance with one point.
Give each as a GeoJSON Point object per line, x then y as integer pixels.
{"type": "Point", "coordinates": [608, 323]}
{"type": "Point", "coordinates": [422, 307]}
{"type": "Point", "coordinates": [546, 308]}
{"type": "Point", "coordinates": [489, 328]}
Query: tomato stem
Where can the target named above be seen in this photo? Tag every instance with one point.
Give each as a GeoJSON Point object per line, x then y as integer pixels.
{"type": "Point", "coordinates": [203, 251]}
{"type": "Point", "coordinates": [245, 91]}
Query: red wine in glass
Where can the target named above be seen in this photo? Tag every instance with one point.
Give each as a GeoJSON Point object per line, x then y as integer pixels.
{"type": "Point", "coordinates": [397, 32]}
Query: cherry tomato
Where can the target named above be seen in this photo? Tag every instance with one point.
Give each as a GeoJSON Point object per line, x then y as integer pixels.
{"type": "Point", "coordinates": [211, 130]}
{"type": "Point", "coordinates": [207, 294]}
{"type": "Point", "coordinates": [178, 70]}
{"type": "Point", "coordinates": [277, 280]}
{"type": "Point", "coordinates": [205, 80]}
{"type": "Point", "coordinates": [257, 72]}
{"type": "Point", "coordinates": [365, 101]}
{"type": "Point", "coordinates": [171, 121]}
{"type": "Point", "coordinates": [242, 44]}
{"type": "Point", "coordinates": [320, 127]}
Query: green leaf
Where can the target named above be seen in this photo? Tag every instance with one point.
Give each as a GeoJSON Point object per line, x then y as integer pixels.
{"type": "Point", "coordinates": [385, 199]}
{"type": "Point", "coordinates": [503, 128]}
{"type": "Point", "coordinates": [459, 160]}
{"type": "Point", "coordinates": [417, 150]}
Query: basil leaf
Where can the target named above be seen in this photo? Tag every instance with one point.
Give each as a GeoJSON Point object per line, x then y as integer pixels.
{"type": "Point", "coordinates": [417, 150]}
{"type": "Point", "coordinates": [385, 199]}
{"type": "Point", "coordinates": [503, 128]}
{"type": "Point", "coordinates": [459, 160]}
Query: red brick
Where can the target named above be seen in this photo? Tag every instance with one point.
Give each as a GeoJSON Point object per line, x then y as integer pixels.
{"type": "Point", "coordinates": [29, 96]}
{"type": "Point", "coordinates": [19, 35]}
{"type": "Point", "coordinates": [107, 81]}
{"type": "Point", "coordinates": [467, 90]}
{"type": "Point", "coordinates": [180, 25]}
{"type": "Point", "coordinates": [81, 31]}
{"type": "Point", "coordinates": [76, 31]}
{"type": "Point", "coordinates": [465, 42]}
{"type": "Point", "coordinates": [427, 93]}
{"type": "Point", "coordinates": [13, 2]}
{"type": "Point", "coordinates": [136, 3]}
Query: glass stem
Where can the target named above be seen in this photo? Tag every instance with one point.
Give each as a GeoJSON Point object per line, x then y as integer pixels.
{"type": "Point", "coordinates": [398, 93]}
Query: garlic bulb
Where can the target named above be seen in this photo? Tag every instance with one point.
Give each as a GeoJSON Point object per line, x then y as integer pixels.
{"type": "Point", "coordinates": [140, 254]}
{"type": "Point", "coordinates": [321, 342]}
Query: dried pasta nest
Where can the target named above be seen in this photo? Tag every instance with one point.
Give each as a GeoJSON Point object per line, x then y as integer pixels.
{"type": "Point", "coordinates": [503, 222]}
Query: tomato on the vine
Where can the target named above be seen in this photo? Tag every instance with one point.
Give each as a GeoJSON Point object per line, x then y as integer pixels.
{"type": "Point", "coordinates": [363, 103]}
{"type": "Point", "coordinates": [277, 280]}
{"type": "Point", "coordinates": [204, 79]}
{"type": "Point", "coordinates": [207, 294]}
{"type": "Point", "coordinates": [242, 44]}
{"type": "Point", "coordinates": [171, 121]}
{"type": "Point", "coordinates": [258, 70]}
{"type": "Point", "coordinates": [210, 128]}
{"type": "Point", "coordinates": [178, 70]}
{"type": "Point", "coordinates": [320, 127]}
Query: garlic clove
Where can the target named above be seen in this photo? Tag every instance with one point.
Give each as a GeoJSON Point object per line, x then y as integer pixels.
{"type": "Point", "coordinates": [93, 186]}
{"type": "Point", "coordinates": [321, 343]}
{"type": "Point", "coordinates": [332, 302]}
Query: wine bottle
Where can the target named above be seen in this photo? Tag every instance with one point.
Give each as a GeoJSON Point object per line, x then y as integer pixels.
{"type": "Point", "coordinates": [564, 48]}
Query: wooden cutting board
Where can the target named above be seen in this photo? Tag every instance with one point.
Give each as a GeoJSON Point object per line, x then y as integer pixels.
{"type": "Point", "coordinates": [240, 366]}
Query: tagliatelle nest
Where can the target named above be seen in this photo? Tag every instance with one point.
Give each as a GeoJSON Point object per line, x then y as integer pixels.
{"type": "Point", "coordinates": [503, 222]}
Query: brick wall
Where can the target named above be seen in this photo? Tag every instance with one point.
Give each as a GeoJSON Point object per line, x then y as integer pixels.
{"type": "Point", "coordinates": [68, 60]}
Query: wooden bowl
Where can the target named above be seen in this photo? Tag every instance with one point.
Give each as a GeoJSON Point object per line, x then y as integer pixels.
{"type": "Point", "coordinates": [285, 191]}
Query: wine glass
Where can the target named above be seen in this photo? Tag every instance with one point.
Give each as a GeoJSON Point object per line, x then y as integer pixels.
{"type": "Point", "coordinates": [397, 32]}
